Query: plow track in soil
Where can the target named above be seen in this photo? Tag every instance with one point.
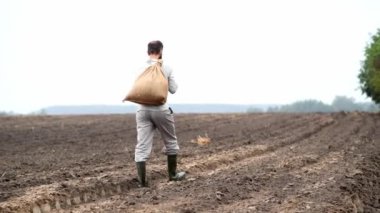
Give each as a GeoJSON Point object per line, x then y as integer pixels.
{"type": "Point", "coordinates": [255, 163]}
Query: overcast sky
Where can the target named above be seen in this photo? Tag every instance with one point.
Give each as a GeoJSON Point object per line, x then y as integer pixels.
{"type": "Point", "coordinates": [79, 52]}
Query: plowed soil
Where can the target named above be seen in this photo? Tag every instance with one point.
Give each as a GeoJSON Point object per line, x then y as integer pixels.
{"type": "Point", "coordinates": [254, 163]}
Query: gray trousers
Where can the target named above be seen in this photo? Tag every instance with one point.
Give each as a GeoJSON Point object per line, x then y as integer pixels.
{"type": "Point", "coordinates": [147, 121]}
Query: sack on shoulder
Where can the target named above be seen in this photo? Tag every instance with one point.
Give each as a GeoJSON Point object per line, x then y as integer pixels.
{"type": "Point", "coordinates": [150, 88]}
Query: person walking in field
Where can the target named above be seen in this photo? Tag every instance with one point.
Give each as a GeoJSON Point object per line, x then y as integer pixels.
{"type": "Point", "coordinates": [151, 117]}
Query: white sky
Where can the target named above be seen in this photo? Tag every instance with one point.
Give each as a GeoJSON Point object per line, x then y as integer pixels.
{"type": "Point", "coordinates": [76, 52]}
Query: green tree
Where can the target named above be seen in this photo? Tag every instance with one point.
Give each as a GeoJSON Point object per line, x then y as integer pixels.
{"type": "Point", "coordinates": [369, 75]}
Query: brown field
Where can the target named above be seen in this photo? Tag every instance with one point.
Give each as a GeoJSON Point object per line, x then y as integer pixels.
{"type": "Point", "coordinates": [252, 163]}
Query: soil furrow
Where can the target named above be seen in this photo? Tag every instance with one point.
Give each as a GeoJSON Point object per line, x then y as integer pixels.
{"type": "Point", "coordinates": [254, 163]}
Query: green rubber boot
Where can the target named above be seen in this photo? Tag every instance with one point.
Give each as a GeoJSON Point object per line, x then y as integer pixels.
{"type": "Point", "coordinates": [141, 172]}
{"type": "Point", "coordinates": [172, 169]}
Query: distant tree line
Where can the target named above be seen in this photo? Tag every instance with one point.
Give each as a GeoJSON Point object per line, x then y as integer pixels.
{"type": "Point", "coordinates": [340, 103]}
{"type": "Point", "coordinates": [10, 113]}
{"type": "Point", "coordinates": [3, 113]}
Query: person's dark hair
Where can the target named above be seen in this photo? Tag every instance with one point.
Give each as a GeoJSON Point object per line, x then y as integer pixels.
{"type": "Point", "coordinates": [155, 47]}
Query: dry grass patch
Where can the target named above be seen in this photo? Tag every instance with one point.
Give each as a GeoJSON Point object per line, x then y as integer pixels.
{"type": "Point", "coordinates": [201, 140]}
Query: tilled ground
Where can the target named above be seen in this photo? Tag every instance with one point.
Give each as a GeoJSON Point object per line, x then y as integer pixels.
{"type": "Point", "coordinates": [254, 163]}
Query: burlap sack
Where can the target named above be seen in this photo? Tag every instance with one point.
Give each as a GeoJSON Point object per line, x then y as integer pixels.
{"type": "Point", "coordinates": [150, 88]}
